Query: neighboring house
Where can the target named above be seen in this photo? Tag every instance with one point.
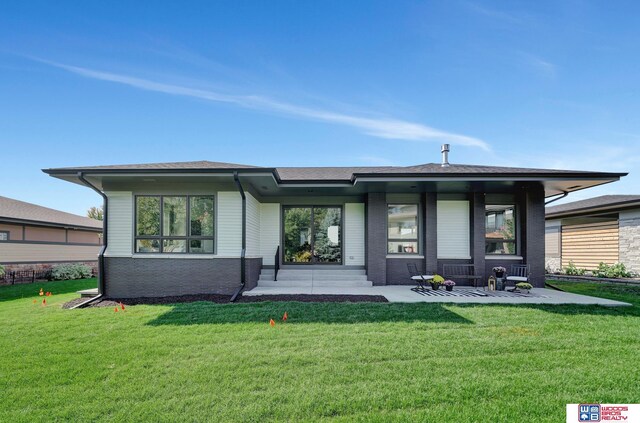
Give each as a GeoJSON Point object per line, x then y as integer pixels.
{"type": "Point", "coordinates": [186, 228]}
{"type": "Point", "coordinates": [36, 237]}
{"type": "Point", "coordinates": [587, 232]}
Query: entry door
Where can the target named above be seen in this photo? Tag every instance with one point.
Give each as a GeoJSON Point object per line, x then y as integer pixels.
{"type": "Point", "coordinates": [312, 235]}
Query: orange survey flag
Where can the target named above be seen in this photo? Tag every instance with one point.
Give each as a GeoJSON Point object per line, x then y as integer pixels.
{"type": "Point", "coordinates": [41, 293]}
{"type": "Point", "coordinates": [285, 317]}
{"type": "Point", "coordinates": [272, 323]}
{"type": "Point", "coordinates": [44, 302]}
{"type": "Point", "coordinates": [122, 306]}
{"type": "Point", "coordinates": [115, 310]}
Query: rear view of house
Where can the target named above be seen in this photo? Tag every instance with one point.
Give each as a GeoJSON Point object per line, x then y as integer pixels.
{"type": "Point", "coordinates": [33, 237]}
{"type": "Point", "coordinates": [211, 227]}
{"type": "Point", "coordinates": [601, 229]}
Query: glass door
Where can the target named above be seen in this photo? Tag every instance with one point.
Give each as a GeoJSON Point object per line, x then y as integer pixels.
{"type": "Point", "coordinates": [312, 235]}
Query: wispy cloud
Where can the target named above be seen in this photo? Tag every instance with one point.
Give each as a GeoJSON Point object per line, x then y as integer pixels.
{"type": "Point", "coordinates": [539, 64]}
{"type": "Point", "coordinates": [493, 13]}
{"type": "Point", "coordinates": [381, 127]}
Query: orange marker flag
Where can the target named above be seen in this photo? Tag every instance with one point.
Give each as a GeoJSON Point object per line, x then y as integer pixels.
{"type": "Point", "coordinates": [35, 301]}
{"type": "Point", "coordinates": [272, 323]}
{"type": "Point", "coordinates": [122, 306]}
{"type": "Point", "coordinates": [285, 317]}
{"type": "Point", "coordinates": [41, 293]}
{"type": "Point", "coordinates": [44, 302]}
{"type": "Point", "coordinates": [115, 310]}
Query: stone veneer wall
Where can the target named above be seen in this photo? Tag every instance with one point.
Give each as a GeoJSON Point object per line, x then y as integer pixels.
{"type": "Point", "coordinates": [629, 239]}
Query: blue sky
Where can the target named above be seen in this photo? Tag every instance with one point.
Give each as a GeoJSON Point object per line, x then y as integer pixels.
{"type": "Point", "coordinates": [285, 83]}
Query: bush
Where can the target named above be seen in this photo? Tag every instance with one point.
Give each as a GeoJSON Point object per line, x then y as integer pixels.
{"type": "Point", "coordinates": [572, 270]}
{"type": "Point", "coordinates": [1, 271]}
{"type": "Point", "coordinates": [70, 271]}
{"type": "Point", "coordinates": [617, 270]}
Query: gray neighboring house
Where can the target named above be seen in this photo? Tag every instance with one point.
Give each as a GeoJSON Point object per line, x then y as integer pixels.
{"type": "Point", "coordinates": [211, 227]}
{"type": "Point", "coordinates": [587, 232]}
{"type": "Point", "coordinates": [33, 237]}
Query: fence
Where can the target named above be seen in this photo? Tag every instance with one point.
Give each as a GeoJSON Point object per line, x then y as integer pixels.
{"type": "Point", "coordinates": [29, 276]}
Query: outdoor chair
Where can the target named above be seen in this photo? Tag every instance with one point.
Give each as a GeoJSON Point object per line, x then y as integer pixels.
{"type": "Point", "coordinates": [417, 276]}
{"type": "Point", "coordinates": [455, 272]}
{"type": "Point", "coordinates": [519, 273]}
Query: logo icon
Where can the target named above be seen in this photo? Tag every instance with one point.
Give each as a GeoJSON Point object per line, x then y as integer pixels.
{"type": "Point", "coordinates": [589, 412]}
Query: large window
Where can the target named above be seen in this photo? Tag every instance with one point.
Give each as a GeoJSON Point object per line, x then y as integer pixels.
{"type": "Point", "coordinates": [4, 235]}
{"type": "Point", "coordinates": [174, 224]}
{"type": "Point", "coordinates": [402, 228]}
{"type": "Point", "coordinates": [500, 221]}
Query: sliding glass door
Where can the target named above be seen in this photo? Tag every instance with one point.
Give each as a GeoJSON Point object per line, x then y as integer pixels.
{"type": "Point", "coordinates": [312, 235]}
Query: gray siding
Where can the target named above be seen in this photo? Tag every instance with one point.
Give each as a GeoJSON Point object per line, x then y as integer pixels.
{"type": "Point", "coordinates": [160, 277]}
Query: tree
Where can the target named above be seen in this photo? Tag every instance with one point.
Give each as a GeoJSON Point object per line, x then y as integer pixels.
{"type": "Point", "coordinates": [95, 213]}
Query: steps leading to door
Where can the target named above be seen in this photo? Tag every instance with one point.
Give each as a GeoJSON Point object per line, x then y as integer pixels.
{"type": "Point", "coordinates": [314, 278]}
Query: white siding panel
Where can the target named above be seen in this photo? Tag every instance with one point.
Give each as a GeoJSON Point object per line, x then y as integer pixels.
{"type": "Point", "coordinates": [253, 226]}
{"type": "Point", "coordinates": [229, 237]}
{"type": "Point", "coordinates": [269, 231]}
{"type": "Point", "coordinates": [354, 234]}
{"type": "Point", "coordinates": [453, 229]}
{"type": "Point", "coordinates": [120, 215]}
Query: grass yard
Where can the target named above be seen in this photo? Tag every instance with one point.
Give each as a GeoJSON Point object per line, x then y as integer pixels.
{"type": "Point", "coordinates": [343, 362]}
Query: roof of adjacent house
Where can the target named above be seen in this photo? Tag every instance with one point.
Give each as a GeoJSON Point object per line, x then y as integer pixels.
{"type": "Point", "coordinates": [328, 173]}
{"type": "Point", "coordinates": [604, 202]}
{"type": "Point", "coordinates": [21, 211]}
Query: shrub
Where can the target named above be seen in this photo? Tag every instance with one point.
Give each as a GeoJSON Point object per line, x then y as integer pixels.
{"type": "Point", "coordinates": [1, 271]}
{"type": "Point", "coordinates": [572, 270]}
{"type": "Point", "coordinates": [70, 271]}
{"type": "Point", "coordinates": [617, 270]}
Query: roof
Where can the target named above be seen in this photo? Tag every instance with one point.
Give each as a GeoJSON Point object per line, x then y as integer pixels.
{"type": "Point", "coordinates": [17, 210]}
{"type": "Point", "coordinates": [604, 202]}
{"type": "Point", "coordinates": [345, 174]}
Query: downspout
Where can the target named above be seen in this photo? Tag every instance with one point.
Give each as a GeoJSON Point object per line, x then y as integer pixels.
{"type": "Point", "coordinates": [105, 238]}
{"type": "Point", "coordinates": [561, 196]}
{"type": "Point", "coordinates": [244, 236]}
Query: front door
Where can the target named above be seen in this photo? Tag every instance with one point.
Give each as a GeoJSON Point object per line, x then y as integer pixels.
{"type": "Point", "coordinates": [312, 235]}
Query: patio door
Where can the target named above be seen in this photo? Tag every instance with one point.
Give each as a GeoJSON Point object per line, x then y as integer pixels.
{"type": "Point", "coordinates": [312, 235]}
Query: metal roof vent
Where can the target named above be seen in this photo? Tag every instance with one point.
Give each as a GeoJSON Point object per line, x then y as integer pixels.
{"type": "Point", "coordinates": [445, 155]}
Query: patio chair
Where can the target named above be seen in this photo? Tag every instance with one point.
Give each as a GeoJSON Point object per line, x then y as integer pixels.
{"type": "Point", "coordinates": [519, 273]}
{"type": "Point", "coordinates": [417, 276]}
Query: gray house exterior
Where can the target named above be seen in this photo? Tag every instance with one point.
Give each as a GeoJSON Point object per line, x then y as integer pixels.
{"type": "Point", "coordinates": [211, 227]}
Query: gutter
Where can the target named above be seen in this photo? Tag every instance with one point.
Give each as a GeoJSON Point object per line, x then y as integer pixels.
{"type": "Point", "coordinates": [560, 197]}
{"type": "Point", "coordinates": [105, 227]}
{"type": "Point", "coordinates": [244, 237]}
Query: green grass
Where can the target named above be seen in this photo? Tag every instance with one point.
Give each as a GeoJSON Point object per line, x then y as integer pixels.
{"type": "Point", "coordinates": [342, 362]}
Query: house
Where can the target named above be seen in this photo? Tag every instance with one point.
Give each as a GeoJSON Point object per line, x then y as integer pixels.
{"type": "Point", "coordinates": [33, 237]}
{"type": "Point", "coordinates": [210, 227]}
{"type": "Point", "coordinates": [587, 232]}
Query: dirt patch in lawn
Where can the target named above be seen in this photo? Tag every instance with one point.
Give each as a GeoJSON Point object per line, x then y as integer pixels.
{"type": "Point", "coordinates": [222, 299]}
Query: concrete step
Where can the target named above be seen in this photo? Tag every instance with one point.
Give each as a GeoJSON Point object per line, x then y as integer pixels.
{"type": "Point", "coordinates": [315, 284]}
{"type": "Point", "coordinates": [349, 283]}
{"type": "Point", "coordinates": [288, 283]}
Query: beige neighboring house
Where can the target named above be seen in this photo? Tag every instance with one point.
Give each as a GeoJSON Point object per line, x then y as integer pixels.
{"type": "Point", "coordinates": [33, 237]}
{"type": "Point", "coordinates": [587, 232]}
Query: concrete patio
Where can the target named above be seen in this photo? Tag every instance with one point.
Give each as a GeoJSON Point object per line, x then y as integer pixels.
{"type": "Point", "coordinates": [404, 294]}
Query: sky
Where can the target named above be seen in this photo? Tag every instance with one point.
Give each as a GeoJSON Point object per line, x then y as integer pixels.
{"type": "Point", "coordinates": [547, 84]}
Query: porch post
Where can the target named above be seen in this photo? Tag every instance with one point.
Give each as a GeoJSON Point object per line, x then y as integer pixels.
{"type": "Point", "coordinates": [478, 232]}
{"type": "Point", "coordinates": [534, 233]}
{"type": "Point", "coordinates": [376, 238]}
{"type": "Point", "coordinates": [431, 232]}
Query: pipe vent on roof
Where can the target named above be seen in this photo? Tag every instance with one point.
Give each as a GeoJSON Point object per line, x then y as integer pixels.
{"type": "Point", "coordinates": [445, 155]}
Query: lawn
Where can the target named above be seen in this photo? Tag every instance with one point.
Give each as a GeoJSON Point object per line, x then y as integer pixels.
{"type": "Point", "coordinates": [343, 362]}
